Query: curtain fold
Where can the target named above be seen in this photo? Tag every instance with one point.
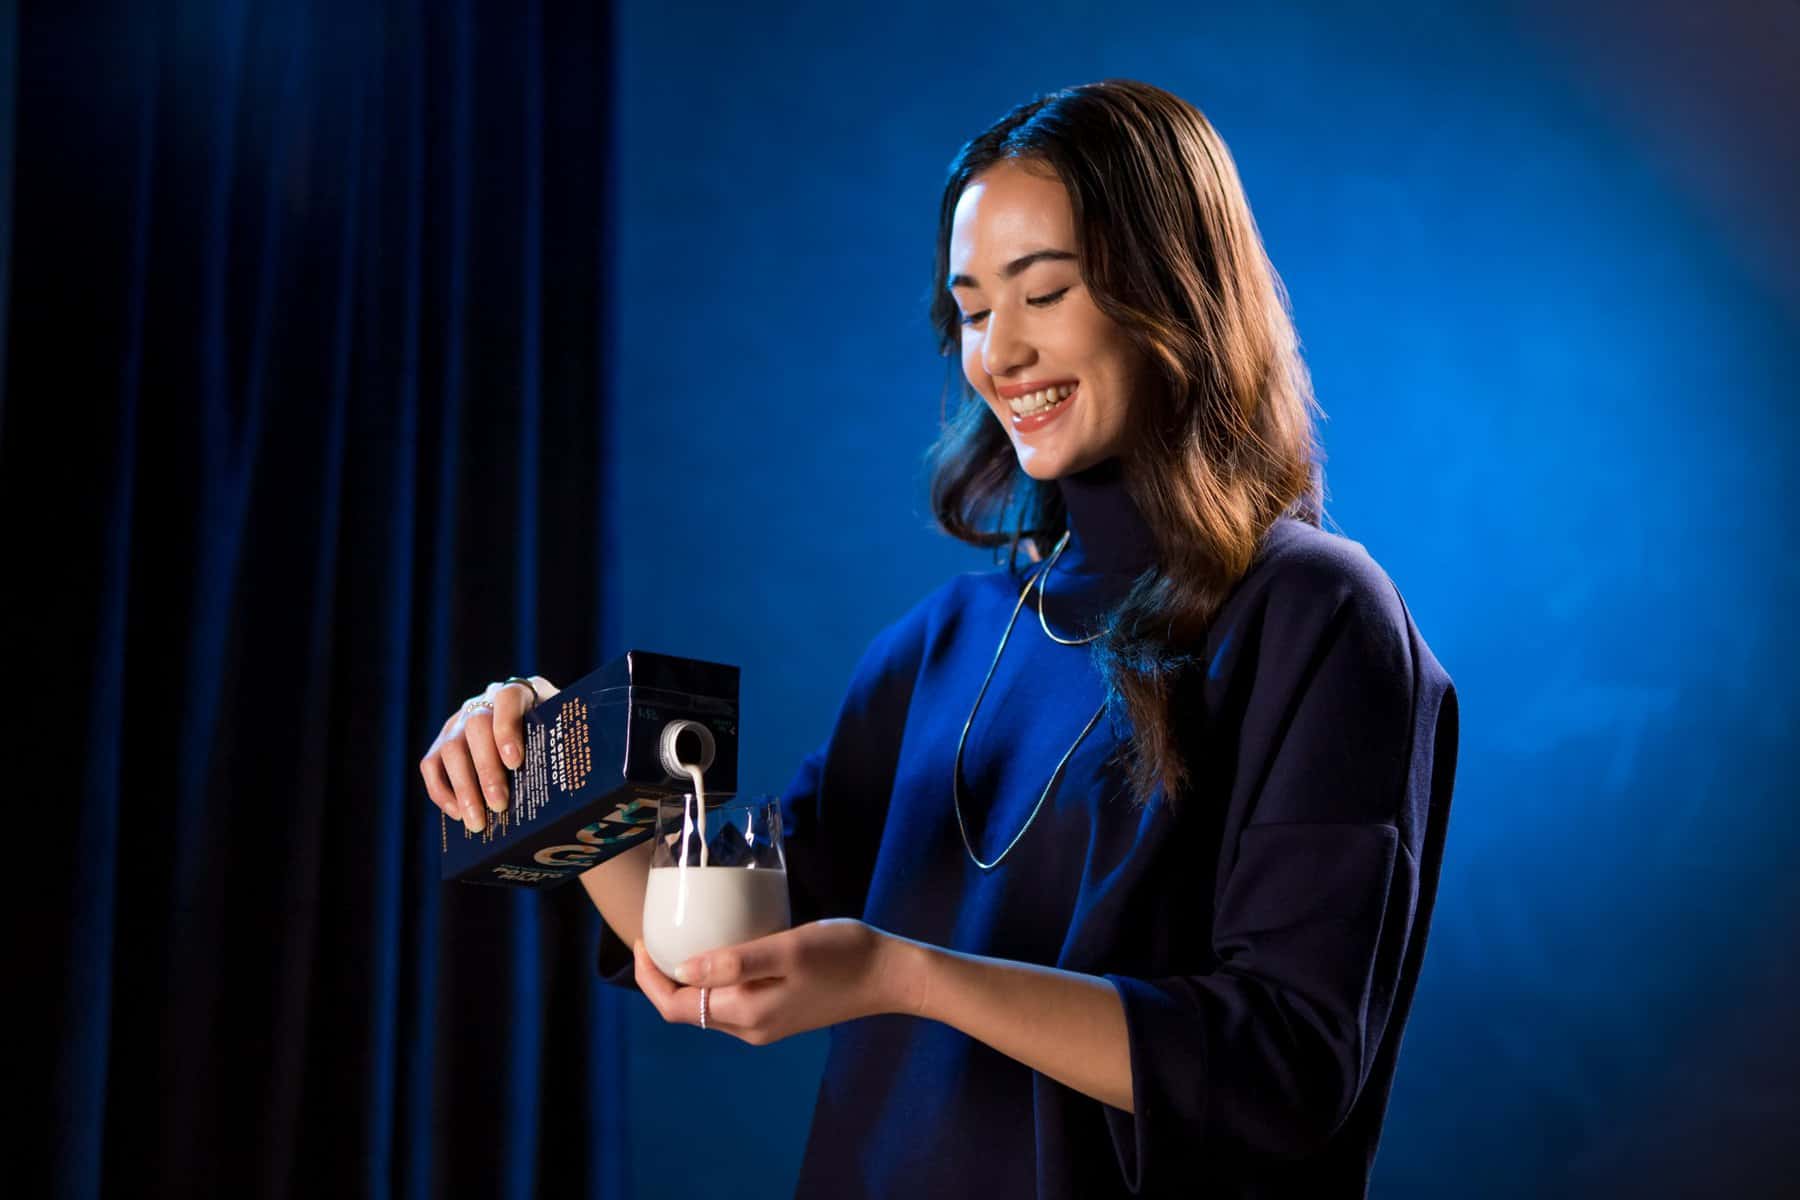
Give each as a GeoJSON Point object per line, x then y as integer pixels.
{"type": "Point", "coordinates": [299, 448]}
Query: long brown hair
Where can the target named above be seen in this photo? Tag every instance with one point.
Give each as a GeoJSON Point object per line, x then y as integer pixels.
{"type": "Point", "coordinates": [1224, 446]}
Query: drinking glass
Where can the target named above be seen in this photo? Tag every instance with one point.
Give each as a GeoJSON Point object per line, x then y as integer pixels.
{"type": "Point", "coordinates": [718, 890]}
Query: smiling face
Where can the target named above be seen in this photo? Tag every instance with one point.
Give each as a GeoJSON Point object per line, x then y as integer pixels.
{"type": "Point", "coordinates": [1058, 374]}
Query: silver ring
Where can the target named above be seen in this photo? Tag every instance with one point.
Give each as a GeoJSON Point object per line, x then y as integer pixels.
{"type": "Point", "coordinates": [477, 704]}
{"type": "Point", "coordinates": [703, 992]}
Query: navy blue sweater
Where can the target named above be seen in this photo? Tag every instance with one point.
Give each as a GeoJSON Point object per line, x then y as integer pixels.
{"type": "Point", "coordinates": [1264, 933]}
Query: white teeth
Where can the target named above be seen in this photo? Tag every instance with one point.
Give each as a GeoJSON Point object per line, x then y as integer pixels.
{"type": "Point", "coordinates": [1035, 402]}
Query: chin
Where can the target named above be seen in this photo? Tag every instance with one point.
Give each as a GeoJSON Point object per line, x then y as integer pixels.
{"type": "Point", "coordinates": [1046, 468]}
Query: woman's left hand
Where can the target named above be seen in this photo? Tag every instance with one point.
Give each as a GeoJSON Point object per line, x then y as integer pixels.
{"type": "Point", "coordinates": [790, 982]}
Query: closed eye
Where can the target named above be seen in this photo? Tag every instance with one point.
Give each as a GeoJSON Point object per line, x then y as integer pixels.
{"type": "Point", "coordinates": [1044, 301]}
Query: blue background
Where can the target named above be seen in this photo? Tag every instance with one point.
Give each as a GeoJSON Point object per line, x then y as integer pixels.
{"type": "Point", "coordinates": [1544, 280]}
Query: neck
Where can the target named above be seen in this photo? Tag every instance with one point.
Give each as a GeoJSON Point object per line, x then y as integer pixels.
{"type": "Point", "coordinates": [1107, 533]}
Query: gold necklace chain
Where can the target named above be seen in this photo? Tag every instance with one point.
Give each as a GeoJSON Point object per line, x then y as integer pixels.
{"type": "Point", "coordinates": [956, 767]}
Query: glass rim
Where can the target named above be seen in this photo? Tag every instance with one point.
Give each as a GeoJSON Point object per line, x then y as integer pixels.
{"type": "Point", "coordinates": [723, 799]}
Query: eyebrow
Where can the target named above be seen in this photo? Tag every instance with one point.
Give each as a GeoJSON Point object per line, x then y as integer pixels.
{"type": "Point", "coordinates": [1015, 266]}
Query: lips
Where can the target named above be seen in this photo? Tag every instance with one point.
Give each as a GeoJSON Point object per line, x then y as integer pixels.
{"type": "Point", "coordinates": [1012, 391]}
{"type": "Point", "coordinates": [1042, 418]}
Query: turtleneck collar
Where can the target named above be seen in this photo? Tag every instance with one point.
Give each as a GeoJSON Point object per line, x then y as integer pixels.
{"type": "Point", "coordinates": [1107, 533]}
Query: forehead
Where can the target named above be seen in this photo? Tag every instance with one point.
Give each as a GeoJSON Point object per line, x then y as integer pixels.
{"type": "Point", "coordinates": [1005, 211]}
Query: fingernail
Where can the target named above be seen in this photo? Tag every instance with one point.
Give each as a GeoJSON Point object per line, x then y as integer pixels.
{"type": "Point", "coordinates": [510, 753]}
{"type": "Point", "coordinates": [496, 799]}
{"type": "Point", "coordinates": [691, 971]}
{"type": "Point", "coordinates": [475, 820]}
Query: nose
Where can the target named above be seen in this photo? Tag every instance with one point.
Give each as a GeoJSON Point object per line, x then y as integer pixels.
{"type": "Point", "coordinates": [1002, 350]}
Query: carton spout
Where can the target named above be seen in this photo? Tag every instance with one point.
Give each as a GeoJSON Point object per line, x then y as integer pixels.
{"type": "Point", "coordinates": [685, 744]}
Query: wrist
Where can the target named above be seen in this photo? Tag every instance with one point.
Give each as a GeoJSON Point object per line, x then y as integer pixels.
{"type": "Point", "coordinates": [905, 974]}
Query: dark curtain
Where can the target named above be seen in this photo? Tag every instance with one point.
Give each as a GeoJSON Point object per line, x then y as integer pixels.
{"type": "Point", "coordinates": [304, 371]}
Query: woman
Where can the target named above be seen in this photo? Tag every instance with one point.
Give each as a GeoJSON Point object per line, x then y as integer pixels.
{"type": "Point", "coordinates": [1115, 873]}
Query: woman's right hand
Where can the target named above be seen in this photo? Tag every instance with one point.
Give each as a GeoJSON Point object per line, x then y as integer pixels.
{"type": "Point", "coordinates": [469, 760]}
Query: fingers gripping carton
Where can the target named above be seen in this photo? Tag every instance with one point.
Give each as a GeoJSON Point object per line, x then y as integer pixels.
{"type": "Point", "coordinates": [597, 757]}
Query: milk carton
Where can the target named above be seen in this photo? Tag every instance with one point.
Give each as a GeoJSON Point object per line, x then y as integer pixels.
{"type": "Point", "coordinates": [597, 757]}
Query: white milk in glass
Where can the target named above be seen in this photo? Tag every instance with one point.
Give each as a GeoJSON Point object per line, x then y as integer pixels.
{"type": "Point", "coordinates": [690, 910]}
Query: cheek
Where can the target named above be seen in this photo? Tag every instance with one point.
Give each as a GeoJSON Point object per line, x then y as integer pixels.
{"type": "Point", "coordinates": [971, 367]}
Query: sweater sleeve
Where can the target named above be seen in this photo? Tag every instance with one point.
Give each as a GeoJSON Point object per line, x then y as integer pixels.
{"type": "Point", "coordinates": [833, 811]}
{"type": "Point", "coordinates": [1314, 921]}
